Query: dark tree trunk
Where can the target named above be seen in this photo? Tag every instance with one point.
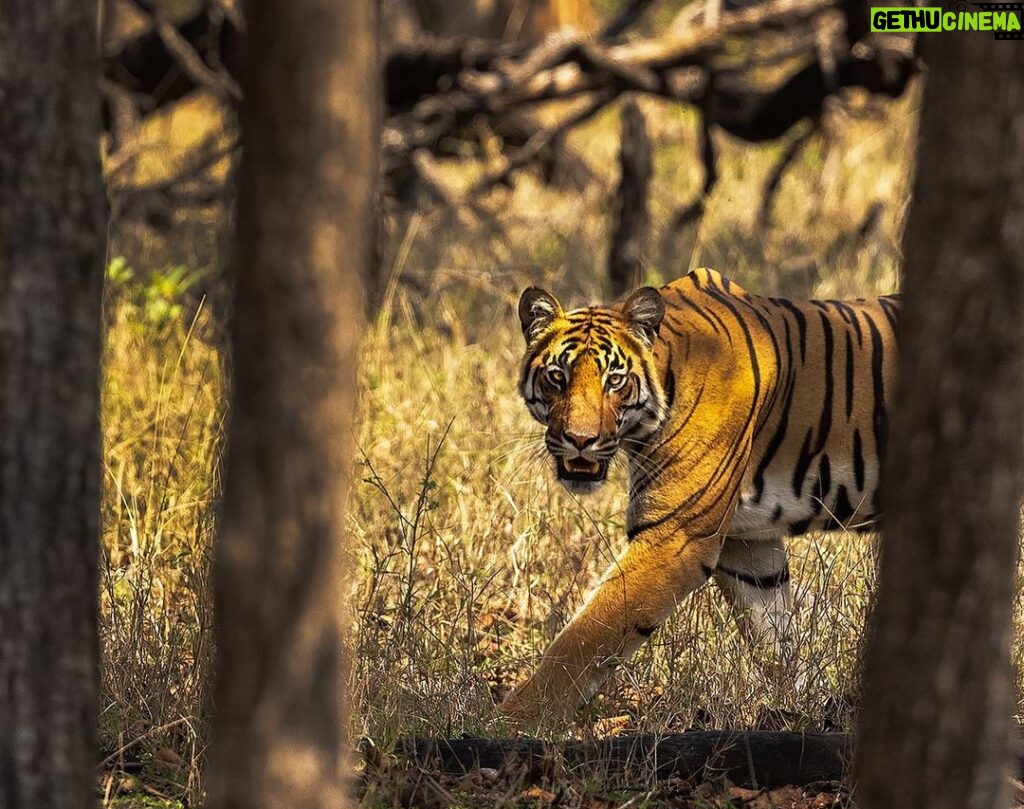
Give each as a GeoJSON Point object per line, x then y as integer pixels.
{"type": "Point", "coordinates": [629, 240]}
{"type": "Point", "coordinates": [303, 244]}
{"type": "Point", "coordinates": [52, 235]}
{"type": "Point", "coordinates": [938, 691]}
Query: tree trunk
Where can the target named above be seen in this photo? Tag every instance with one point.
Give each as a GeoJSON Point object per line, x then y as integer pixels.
{"type": "Point", "coordinates": [938, 688]}
{"type": "Point", "coordinates": [632, 220]}
{"type": "Point", "coordinates": [302, 247]}
{"type": "Point", "coordinates": [52, 242]}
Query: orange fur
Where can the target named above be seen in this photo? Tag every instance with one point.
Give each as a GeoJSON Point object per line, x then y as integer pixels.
{"type": "Point", "coordinates": [758, 418]}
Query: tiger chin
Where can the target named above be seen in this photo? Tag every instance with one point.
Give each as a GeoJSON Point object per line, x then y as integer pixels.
{"type": "Point", "coordinates": [744, 419]}
{"type": "Point", "coordinates": [592, 404]}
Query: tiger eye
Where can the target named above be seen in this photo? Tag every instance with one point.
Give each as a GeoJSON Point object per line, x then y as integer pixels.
{"type": "Point", "coordinates": [555, 377]}
{"type": "Point", "coordinates": [615, 381]}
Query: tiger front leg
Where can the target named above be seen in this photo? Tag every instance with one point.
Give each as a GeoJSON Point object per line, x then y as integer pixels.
{"type": "Point", "coordinates": [639, 591]}
{"type": "Point", "coordinates": [754, 576]}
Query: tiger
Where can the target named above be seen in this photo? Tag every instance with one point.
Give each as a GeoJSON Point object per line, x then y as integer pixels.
{"type": "Point", "coordinates": [744, 420]}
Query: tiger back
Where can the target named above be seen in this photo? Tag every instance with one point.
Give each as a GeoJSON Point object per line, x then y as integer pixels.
{"type": "Point", "coordinates": [821, 428]}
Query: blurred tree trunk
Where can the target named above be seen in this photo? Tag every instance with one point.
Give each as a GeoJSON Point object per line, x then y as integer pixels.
{"type": "Point", "coordinates": [302, 247]}
{"type": "Point", "coordinates": [632, 219]}
{"type": "Point", "coordinates": [939, 694]}
{"type": "Point", "coordinates": [52, 242]}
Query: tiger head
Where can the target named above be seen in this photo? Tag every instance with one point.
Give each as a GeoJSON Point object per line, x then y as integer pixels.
{"type": "Point", "coordinates": [589, 376]}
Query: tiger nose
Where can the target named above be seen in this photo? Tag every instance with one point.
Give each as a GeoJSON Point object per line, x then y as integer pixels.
{"type": "Point", "coordinates": [581, 442]}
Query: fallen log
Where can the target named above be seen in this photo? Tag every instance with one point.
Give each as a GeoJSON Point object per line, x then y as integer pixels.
{"type": "Point", "coordinates": [757, 759]}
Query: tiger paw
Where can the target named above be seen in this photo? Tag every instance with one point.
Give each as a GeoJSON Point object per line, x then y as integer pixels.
{"type": "Point", "coordinates": [530, 705]}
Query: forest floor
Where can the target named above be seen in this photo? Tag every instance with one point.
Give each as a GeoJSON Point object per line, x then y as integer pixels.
{"type": "Point", "coordinates": [477, 789]}
{"type": "Point", "coordinates": [467, 555]}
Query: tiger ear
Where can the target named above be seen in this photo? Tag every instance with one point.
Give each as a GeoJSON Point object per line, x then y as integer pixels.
{"type": "Point", "coordinates": [537, 310]}
{"type": "Point", "coordinates": [644, 310]}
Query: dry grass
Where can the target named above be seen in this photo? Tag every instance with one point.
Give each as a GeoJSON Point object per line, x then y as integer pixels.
{"type": "Point", "coordinates": [468, 556]}
{"type": "Point", "coordinates": [163, 410]}
{"type": "Point", "coordinates": [468, 571]}
{"type": "Point", "coordinates": [473, 557]}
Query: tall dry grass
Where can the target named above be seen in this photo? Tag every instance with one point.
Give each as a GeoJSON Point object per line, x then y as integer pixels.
{"type": "Point", "coordinates": [163, 409]}
{"type": "Point", "coordinates": [467, 556]}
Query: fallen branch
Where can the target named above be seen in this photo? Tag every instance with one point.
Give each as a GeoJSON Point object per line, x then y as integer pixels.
{"type": "Point", "coordinates": [168, 61]}
{"type": "Point", "coordinates": [435, 86]}
{"type": "Point", "coordinates": [436, 91]}
{"type": "Point", "coordinates": [693, 67]}
{"type": "Point", "coordinates": [639, 66]}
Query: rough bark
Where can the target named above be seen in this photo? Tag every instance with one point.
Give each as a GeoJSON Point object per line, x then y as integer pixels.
{"type": "Point", "coordinates": [303, 243]}
{"type": "Point", "coordinates": [629, 241]}
{"type": "Point", "coordinates": [938, 688]}
{"type": "Point", "coordinates": [52, 235]}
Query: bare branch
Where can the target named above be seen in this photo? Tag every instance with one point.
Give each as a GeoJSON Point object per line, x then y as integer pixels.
{"type": "Point", "coordinates": [435, 90]}
{"type": "Point", "coordinates": [219, 81]}
{"type": "Point", "coordinates": [534, 146]}
{"type": "Point", "coordinates": [733, 102]}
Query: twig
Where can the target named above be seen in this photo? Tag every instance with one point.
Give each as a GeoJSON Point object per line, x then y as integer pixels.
{"type": "Point", "coordinates": [639, 798]}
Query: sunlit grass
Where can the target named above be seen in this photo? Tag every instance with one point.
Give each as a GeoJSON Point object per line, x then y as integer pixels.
{"type": "Point", "coordinates": [454, 612]}
{"type": "Point", "coordinates": [163, 410]}
{"type": "Point", "coordinates": [467, 556]}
